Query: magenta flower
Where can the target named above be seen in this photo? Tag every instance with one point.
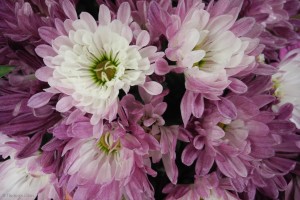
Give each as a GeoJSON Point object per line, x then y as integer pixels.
{"type": "Point", "coordinates": [146, 122]}
{"type": "Point", "coordinates": [243, 149]}
{"type": "Point", "coordinates": [274, 17]}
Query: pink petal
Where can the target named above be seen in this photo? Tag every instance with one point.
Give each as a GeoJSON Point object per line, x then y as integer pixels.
{"type": "Point", "coordinates": [171, 168]}
{"type": "Point", "coordinates": [43, 111]}
{"type": "Point", "coordinates": [130, 142]}
{"type": "Point", "coordinates": [237, 86]}
{"type": "Point", "coordinates": [189, 155]}
{"type": "Point", "coordinates": [143, 38]}
{"type": "Point", "coordinates": [97, 128]}
{"type": "Point", "coordinates": [204, 163]}
{"type": "Point", "coordinates": [186, 106]}
{"type": "Point", "coordinates": [32, 146]}
{"type": "Point", "coordinates": [262, 100]}
{"type": "Point", "coordinates": [144, 95]}
{"type": "Point", "coordinates": [238, 166]}
{"type": "Point", "coordinates": [104, 15]}
{"type": "Point", "coordinates": [82, 130]}
{"type": "Point", "coordinates": [264, 69]}
{"type": "Point", "coordinates": [257, 128]}
{"type": "Point", "coordinates": [75, 116]}
{"type": "Point", "coordinates": [219, 7]}
{"type": "Point", "coordinates": [198, 106]}
{"type": "Point", "coordinates": [155, 16]}
{"type": "Point", "coordinates": [193, 57]}
{"type": "Point", "coordinates": [95, 119]}
{"type": "Point", "coordinates": [160, 108]}
{"type": "Point", "coordinates": [226, 108]}
{"type": "Point", "coordinates": [124, 13]}
{"type": "Point", "coordinates": [44, 50]}
{"type": "Point", "coordinates": [162, 67]}
{"type": "Point", "coordinates": [198, 142]}
{"type": "Point", "coordinates": [64, 104]}
{"type": "Point", "coordinates": [149, 122]}
{"type": "Point", "coordinates": [69, 10]}
{"type": "Point", "coordinates": [48, 34]}
{"type": "Point", "coordinates": [168, 140]}
{"type": "Point", "coordinates": [40, 99]}
{"type": "Point", "coordinates": [71, 144]}
{"type": "Point", "coordinates": [88, 18]}
{"type": "Point", "coordinates": [44, 73]}
{"type": "Point", "coordinates": [152, 87]}
{"type": "Point", "coordinates": [285, 111]}
{"type": "Point", "coordinates": [243, 26]}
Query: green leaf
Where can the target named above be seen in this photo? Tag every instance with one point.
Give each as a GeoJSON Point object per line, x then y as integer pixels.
{"type": "Point", "coordinates": [5, 69]}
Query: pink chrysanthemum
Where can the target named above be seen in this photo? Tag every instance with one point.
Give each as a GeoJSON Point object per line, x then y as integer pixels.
{"type": "Point", "coordinates": [23, 179]}
{"type": "Point", "coordinates": [275, 19]}
{"type": "Point", "coordinates": [146, 122]}
{"type": "Point", "coordinates": [216, 46]}
{"type": "Point", "coordinates": [99, 161]}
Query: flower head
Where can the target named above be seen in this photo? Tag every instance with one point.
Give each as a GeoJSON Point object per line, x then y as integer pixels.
{"type": "Point", "coordinates": [23, 179]}
{"type": "Point", "coordinates": [94, 61]}
{"type": "Point", "coordinates": [99, 161]}
{"type": "Point", "coordinates": [286, 84]}
{"type": "Point", "coordinates": [216, 48]}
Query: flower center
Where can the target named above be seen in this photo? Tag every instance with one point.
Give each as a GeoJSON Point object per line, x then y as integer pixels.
{"type": "Point", "coordinates": [107, 144]}
{"type": "Point", "coordinates": [105, 68]}
{"type": "Point", "coordinates": [276, 85]}
{"type": "Point", "coordinates": [222, 126]}
{"type": "Point", "coordinates": [199, 64]}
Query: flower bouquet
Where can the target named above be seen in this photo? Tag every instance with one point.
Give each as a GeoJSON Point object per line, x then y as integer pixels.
{"type": "Point", "coordinates": [149, 99]}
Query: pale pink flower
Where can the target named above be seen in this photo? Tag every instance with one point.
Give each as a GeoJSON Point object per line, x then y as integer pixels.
{"type": "Point", "coordinates": [99, 161]}
{"type": "Point", "coordinates": [286, 84]}
{"type": "Point", "coordinates": [24, 179]}
{"type": "Point", "coordinates": [215, 48]}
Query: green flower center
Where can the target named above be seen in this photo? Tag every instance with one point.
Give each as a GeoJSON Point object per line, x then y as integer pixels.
{"type": "Point", "coordinates": [199, 64]}
{"type": "Point", "coordinates": [105, 68]}
{"type": "Point", "coordinates": [222, 126]}
{"type": "Point", "coordinates": [276, 85]}
{"type": "Point", "coordinates": [108, 145]}
{"type": "Point", "coordinates": [202, 62]}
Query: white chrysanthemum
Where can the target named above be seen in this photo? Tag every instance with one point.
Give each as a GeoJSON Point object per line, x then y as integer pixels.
{"type": "Point", "coordinates": [95, 60]}
{"type": "Point", "coordinates": [286, 84]}
{"type": "Point", "coordinates": [23, 179]}
{"type": "Point", "coordinates": [100, 161]}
